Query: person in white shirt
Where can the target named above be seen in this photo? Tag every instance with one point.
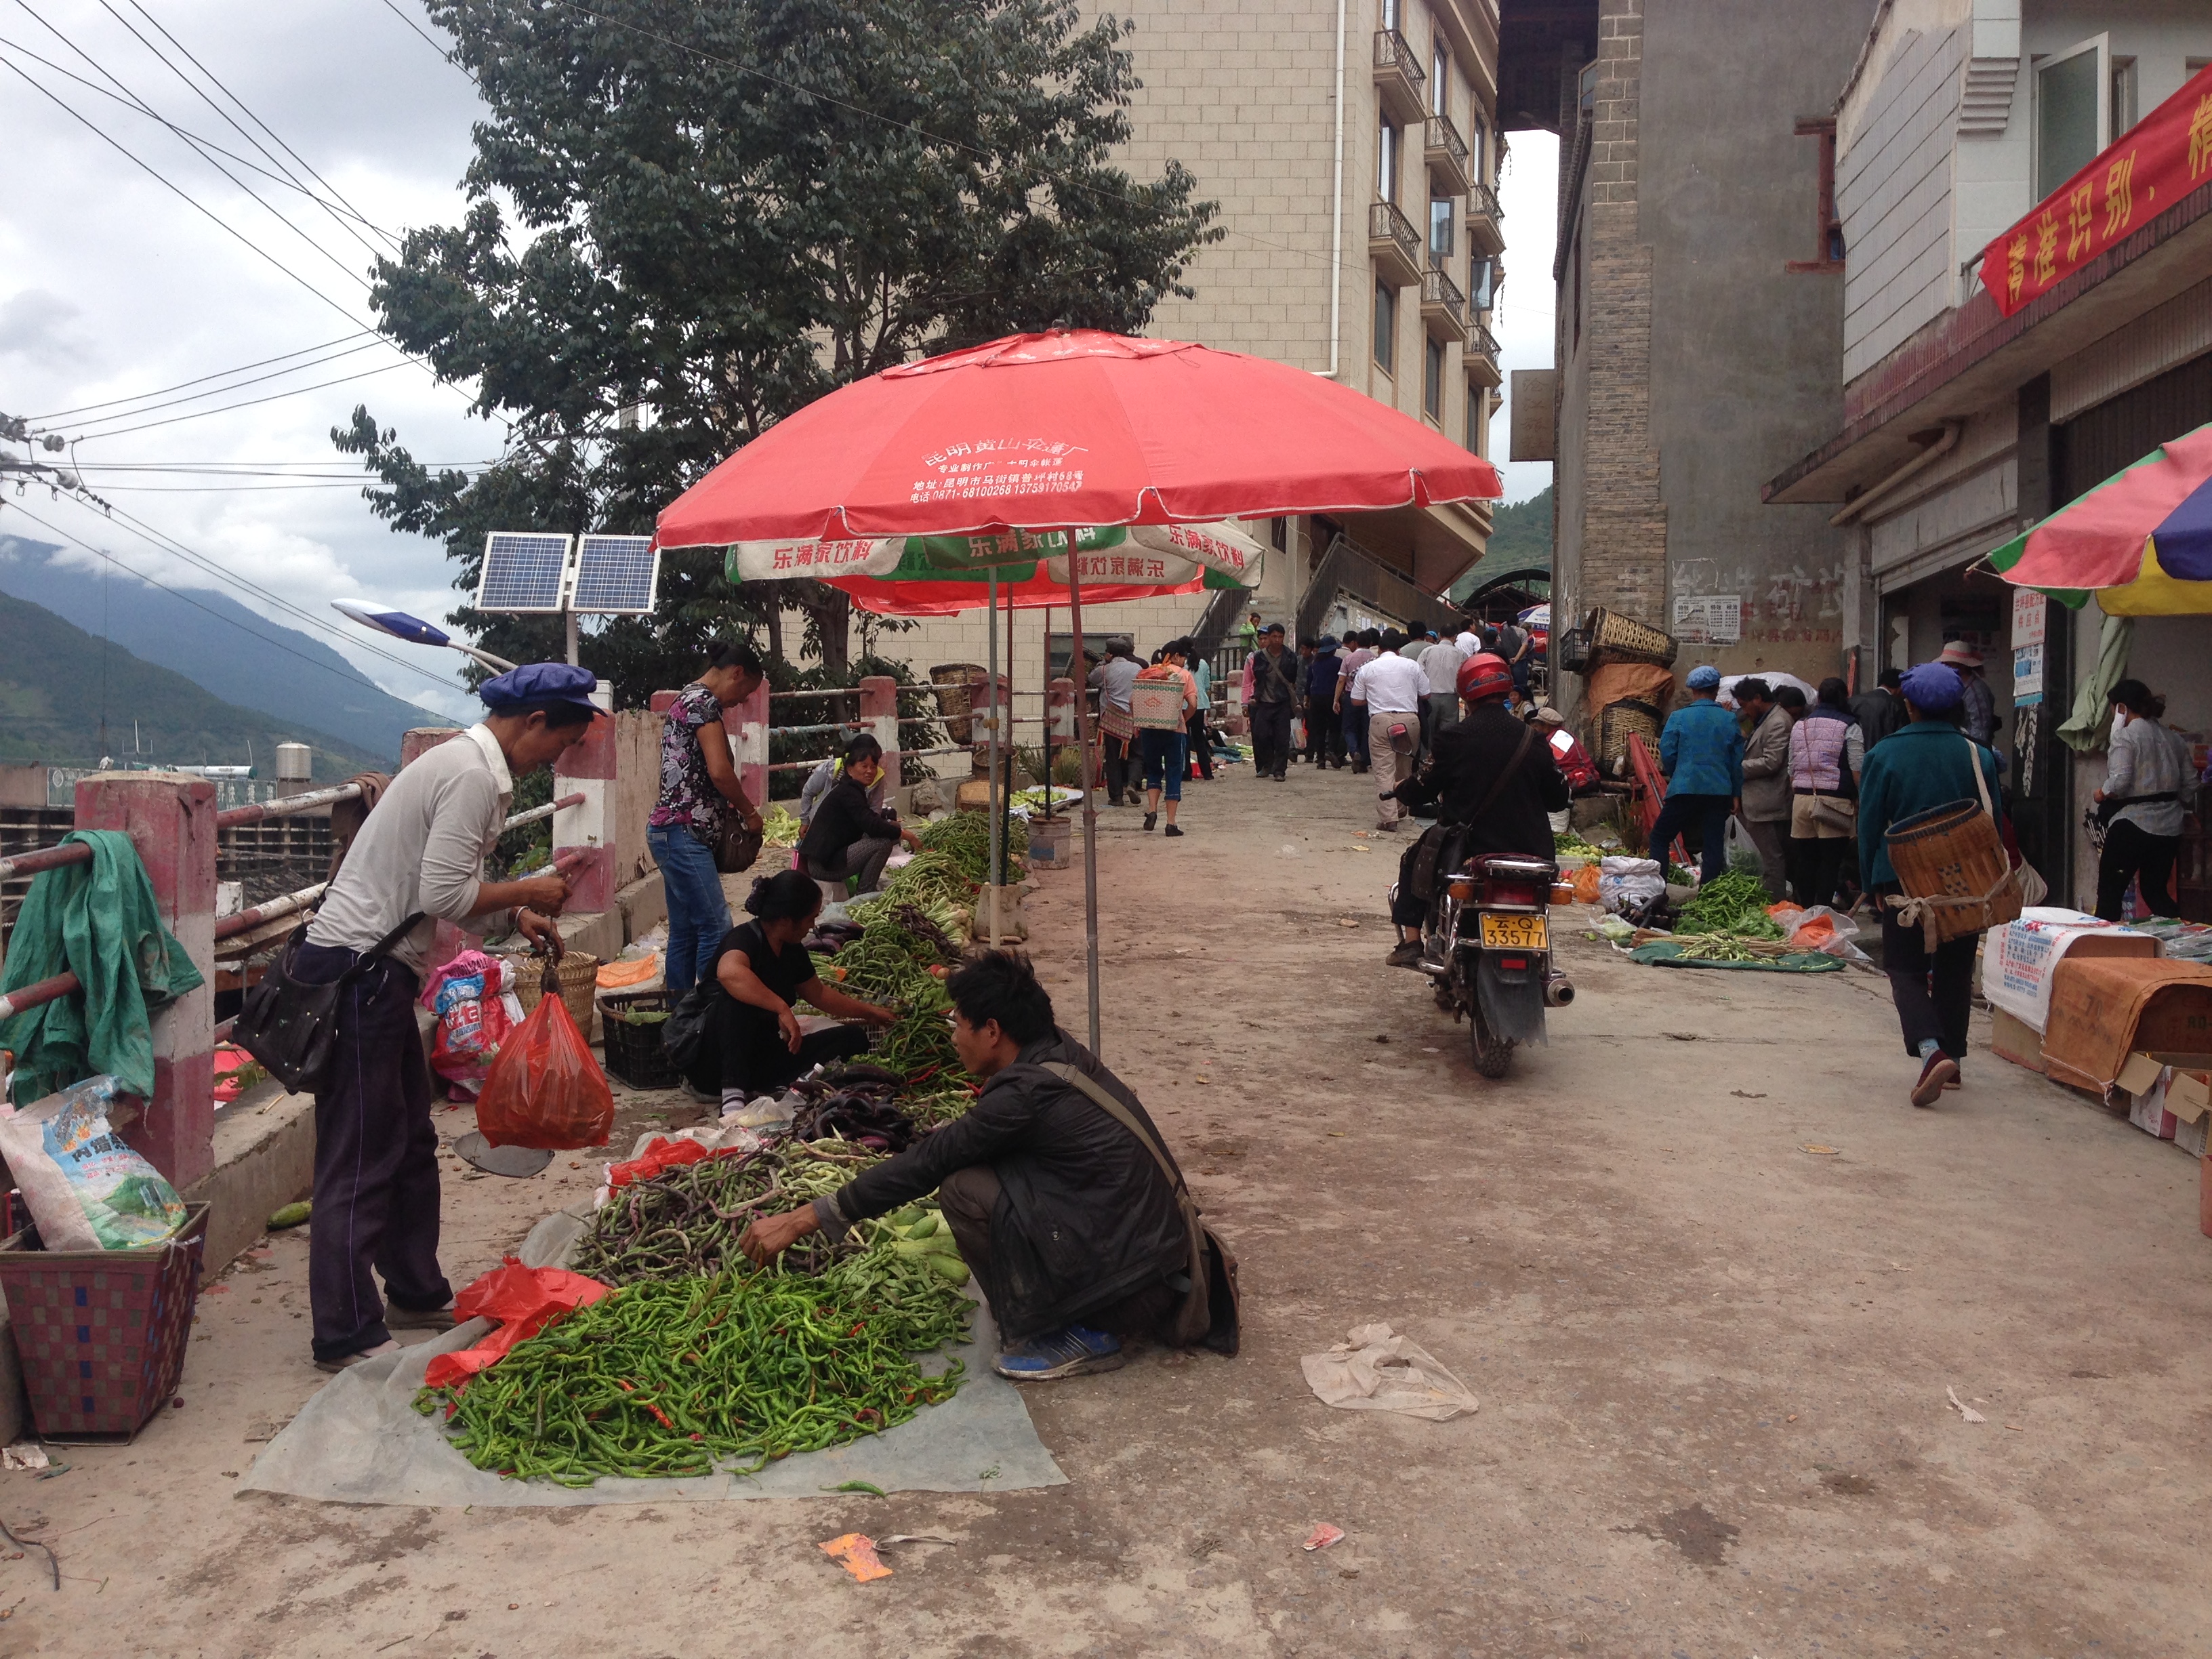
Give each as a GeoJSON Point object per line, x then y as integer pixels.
{"type": "Point", "coordinates": [1467, 641]}
{"type": "Point", "coordinates": [1440, 711]}
{"type": "Point", "coordinates": [1388, 692]}
{"type": "Point", "coordinates": [2142, 804]}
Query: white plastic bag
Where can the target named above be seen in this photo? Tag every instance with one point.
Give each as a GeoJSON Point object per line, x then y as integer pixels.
{"type": "Point", "coordinates": [1827, 931]}
{"type": "Point", "coordinates": [1742, 851]}
{"type": "Point", "coordinates": [86, 1188]}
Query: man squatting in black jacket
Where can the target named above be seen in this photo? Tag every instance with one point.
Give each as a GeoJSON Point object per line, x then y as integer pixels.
{"type": "Point", "coordinates": [1067, 1221]}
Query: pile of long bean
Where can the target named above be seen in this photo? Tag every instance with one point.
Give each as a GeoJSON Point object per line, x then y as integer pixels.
{"type": "Point", "coordinates": [684, 1222]}
{"type": "Point", "coordinates": [887, 964]}
{"type": "Point", "coordinates": [967, 837]}
{"type": "Point", "coordinates": [670, 1379]}
{"type": "Point", "coordinates": [933, 876]}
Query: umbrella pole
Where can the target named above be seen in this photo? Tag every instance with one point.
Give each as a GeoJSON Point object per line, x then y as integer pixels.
{"type": "Point", "coordinates": [1086, 744]}
{"type": "Point", "coordinates": [997, 874]}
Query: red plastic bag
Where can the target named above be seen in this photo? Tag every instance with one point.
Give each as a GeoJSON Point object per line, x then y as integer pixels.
{"type": "Point", "coordinates": [545, 1089]}
{"type": "Point", "coordinates": [669, 1152]}
{"type": "Point", "coordinates": [523, 1301]}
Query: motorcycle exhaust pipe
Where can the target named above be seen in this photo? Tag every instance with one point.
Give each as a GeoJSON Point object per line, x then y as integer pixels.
{"type": "Point", "coordinates": [1558, 991]}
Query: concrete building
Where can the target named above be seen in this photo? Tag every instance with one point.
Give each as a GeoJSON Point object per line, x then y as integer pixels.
{"type": "Point", "coordinates": [1353, 148]}
{"type": "Point", "coordinates": [1700, 291]}
{"type": "Point", "coordinates": [1960, 425]}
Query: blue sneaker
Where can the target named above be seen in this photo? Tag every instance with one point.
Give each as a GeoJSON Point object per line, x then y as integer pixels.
{"type": "Point", "coordinates": [1072, 1351]}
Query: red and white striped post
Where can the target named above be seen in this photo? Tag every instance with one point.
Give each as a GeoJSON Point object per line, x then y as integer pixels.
{"type": "Point", "coordinates": [1059, 715]}
{"type": "Point", "coordinates": [170, 819]}
{"type": "Point", "coordinates": [586, 830]}
{"type": "Point", "coordinates": [879, 713]}
{"type": "Point", "coordinates": [420, 740]}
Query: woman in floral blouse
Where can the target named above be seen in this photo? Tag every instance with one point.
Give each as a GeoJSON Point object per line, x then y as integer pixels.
{"type": "Point", "coordinates": [698, 785]}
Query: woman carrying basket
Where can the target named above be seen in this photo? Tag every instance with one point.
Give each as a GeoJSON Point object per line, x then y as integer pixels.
{"type": "Point", "coordinates": [1927, 764]}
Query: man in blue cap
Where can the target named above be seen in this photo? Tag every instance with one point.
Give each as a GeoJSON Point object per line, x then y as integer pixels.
{"type": "Point", "coordinates": [417, 860]}
{"type": "Point", "coordinates": [1701, 752]}
{"type": "Point", "coordinates": [1930, 763]}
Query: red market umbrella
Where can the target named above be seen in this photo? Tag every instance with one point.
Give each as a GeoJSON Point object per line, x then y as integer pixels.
{"type": "Point", "coordinates": [1064, 430]}
{"type": "Point", "coordinates": [1042, 431]}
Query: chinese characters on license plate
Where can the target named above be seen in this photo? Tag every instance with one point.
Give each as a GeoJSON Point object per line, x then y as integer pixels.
{"type": "Point", "coordinates": [1514, 933]}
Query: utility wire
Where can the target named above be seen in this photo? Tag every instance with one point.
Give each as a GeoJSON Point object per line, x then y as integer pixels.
{"type": "Point", "coordinates": [451, 54]}
{"type": "Point", "coordinates": [230, 622]}
{"type": "Point", "coordinates": [137, 106]}
{"type": "Point", "coordinates": [222, 374]}
{"type": "Point", "coordinates": [245, 402]}
{"type": "Point", "coordinates": [335, 193]}
{"type": "Point", "coordinates": [224, 391]}
{"type": "Point", "coordinates": [166, 542]}
{"type": "Point", "coordinates": [266, 205]}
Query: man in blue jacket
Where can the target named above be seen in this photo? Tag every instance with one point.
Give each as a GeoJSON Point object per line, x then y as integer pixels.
{"type": "Point", "coordinates": [1701, 752]}
{"type": "Point", "coordinates": [1928, 764]}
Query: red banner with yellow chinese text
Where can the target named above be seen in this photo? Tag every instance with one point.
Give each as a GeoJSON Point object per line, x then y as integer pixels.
{"type": "Point", "coordinates": [2157, 162]}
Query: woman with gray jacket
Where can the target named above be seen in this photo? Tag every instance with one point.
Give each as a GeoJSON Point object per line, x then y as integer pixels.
{"type": "Point", "coordinates": [2141, 804]}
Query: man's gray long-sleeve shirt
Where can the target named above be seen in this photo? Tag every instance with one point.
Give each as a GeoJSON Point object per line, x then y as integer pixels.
{"type": "Point", "coordinates": [423, 849]}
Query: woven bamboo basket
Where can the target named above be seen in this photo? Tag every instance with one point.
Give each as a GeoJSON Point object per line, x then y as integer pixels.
{"type": "Point", "coordinates": [579, 978]}
{"type": "Point", "coordinates": [1617, 720]}
{"type": "Point", "coordinates": [1953, 856]}
{"type": "Point", "coordinates": [1615, 638]}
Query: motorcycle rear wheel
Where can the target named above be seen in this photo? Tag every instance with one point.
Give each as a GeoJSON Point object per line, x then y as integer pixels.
{"type": "Point", "coordinates": [1493, 1055]}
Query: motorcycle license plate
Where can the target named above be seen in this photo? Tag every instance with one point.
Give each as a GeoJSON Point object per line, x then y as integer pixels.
{"type": "Point", "coordinates": [1514, 933]}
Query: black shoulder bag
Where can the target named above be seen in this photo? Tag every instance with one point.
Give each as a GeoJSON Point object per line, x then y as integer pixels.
{"type": "Point", "coordinates": [289, 1026]}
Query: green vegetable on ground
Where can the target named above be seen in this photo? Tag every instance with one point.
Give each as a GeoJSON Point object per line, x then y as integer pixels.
{"type": "Point", "coordinates": [292, 1215]}
{"type": "Point", "coordinates": [1733, 903]}
{"type": "Point", "coordinates": [674, 1378]}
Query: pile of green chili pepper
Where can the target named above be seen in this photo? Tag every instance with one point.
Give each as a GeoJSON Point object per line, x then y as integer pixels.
{"type": "Point", "coordinates": [672, 1379]}
{"type": "Point", "coordinates": [967, 837]}
{"type": "Point", "coordinates": [918, 1045]}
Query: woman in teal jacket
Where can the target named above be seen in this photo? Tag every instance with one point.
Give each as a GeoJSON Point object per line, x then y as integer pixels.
{"type": "Point", "coordinates": [1701, 752]}
{"type": "Point", "coordinates": [1928, 764]}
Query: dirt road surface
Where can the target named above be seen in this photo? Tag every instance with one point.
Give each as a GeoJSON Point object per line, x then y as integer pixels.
{"type": "Point", "coordinates": [1712, 1364]}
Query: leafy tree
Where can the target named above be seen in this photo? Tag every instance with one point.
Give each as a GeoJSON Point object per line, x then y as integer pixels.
{"type": "Point", "coordinates": [688, 220]}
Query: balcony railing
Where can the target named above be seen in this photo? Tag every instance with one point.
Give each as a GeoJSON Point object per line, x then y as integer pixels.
{"type": "Point", "coordinates": [1447, 152]}
{"type": "Point", "coordinates": [1398, 76]}
{"type": "Point", "coordinates": [1441, 303]}
{"type": "Point", "coordinates": [1481, 357]}
{"type": "Point", "coordinates": [1394, 244]}
{"type": "Point", "coordinates": [1485, 223]}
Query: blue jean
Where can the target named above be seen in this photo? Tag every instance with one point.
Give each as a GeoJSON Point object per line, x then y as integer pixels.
{"type": "Point", "coordinates": [1166, 758]}
{"type": "Point", "coordinates": [698, 914]}
{"type": "Point", "coordinates": [1355, 734]}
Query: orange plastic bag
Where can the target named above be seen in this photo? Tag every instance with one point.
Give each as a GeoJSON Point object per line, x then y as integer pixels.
{"type": "Point", "coordinates": [1586, 884]}
{"type": "Point", "coordinates": [545, 1090]}
{"type": "Point", "coordinates": [521, 1302]}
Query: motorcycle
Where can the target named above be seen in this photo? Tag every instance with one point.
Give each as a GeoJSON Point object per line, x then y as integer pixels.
{"type": "Point", "coordinates": [1486, 944]}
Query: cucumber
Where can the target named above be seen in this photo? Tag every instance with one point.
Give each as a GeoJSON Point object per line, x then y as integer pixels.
{"type": "Point", "coordinates": [950, 1268]}
{"type": "Point", "coordinates": [292, 1215]}
{"type": "Point", "coordinates": [923, 1228]}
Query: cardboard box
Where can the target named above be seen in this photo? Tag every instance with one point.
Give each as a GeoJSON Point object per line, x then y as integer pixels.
{"type": "Point", "coordinates": [2188, 1095]}
{"type": "Point", "coordinates": [2190, 1137]}
{"type": "Point", "coordinates": [2175, 1027]}
{"type": "Point", "coordinates": [2146, 1105]}
{"type": "Point", "coordinates": [2016, 1040]}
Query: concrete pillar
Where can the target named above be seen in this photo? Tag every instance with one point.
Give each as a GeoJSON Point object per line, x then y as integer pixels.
{"type": "Point", "coordinates": [588, 769]}
{"type": "Point", "coordinates": [170, 819]}
{"type": "Point", "coordinates": [879, 713]}
{"type": "Point", "coordinates": [420, 740]}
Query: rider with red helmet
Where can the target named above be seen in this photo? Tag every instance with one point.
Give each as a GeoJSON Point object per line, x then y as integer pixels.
{"type": "Point", "coordinates": [1492, 782]}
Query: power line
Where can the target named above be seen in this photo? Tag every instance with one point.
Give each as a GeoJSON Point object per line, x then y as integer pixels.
{"type": "Point", "coordinates": [451, 54]}
{"type": "Point", "coordinates": [306, 166]}
{"type": "Point", "coordinates": [222, 390]}
{"type": "Point", "coordinates": [230, 622]}
{"type": "Point", "coordinates": [168, 543]}
{"type": "Point", "coordinates": [222, 374]}
{"type": "Point", "coordinates": [246, 402]}
{"type": "Point", "coordinates": [138, 106]}
{"type": "Point", "coordinates": [262, 202]}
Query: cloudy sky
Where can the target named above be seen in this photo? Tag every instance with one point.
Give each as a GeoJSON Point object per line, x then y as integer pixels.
{"type": "Point", "coordinates": [131, 265]}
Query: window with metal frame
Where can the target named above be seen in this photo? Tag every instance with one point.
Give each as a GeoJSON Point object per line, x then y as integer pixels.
{"type": "Point", "coordinates": [1432, 378]}
{"type": "Point", "coordinates": [1439, 78]}
{"type": "Point", "coordinates": [2073, 111]}
{"type": "Point", "coordinates": [1386, 326]}
{"type": "Point", "coordinates": [1444, 229]}
{"type": "Point", "coordinates": [1387, 159]}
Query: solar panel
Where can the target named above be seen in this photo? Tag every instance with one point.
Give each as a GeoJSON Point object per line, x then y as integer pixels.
{"type": "Point", "coordinates": [523, 571]}
{"type": "Point", "coordinates": [616, 575]}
